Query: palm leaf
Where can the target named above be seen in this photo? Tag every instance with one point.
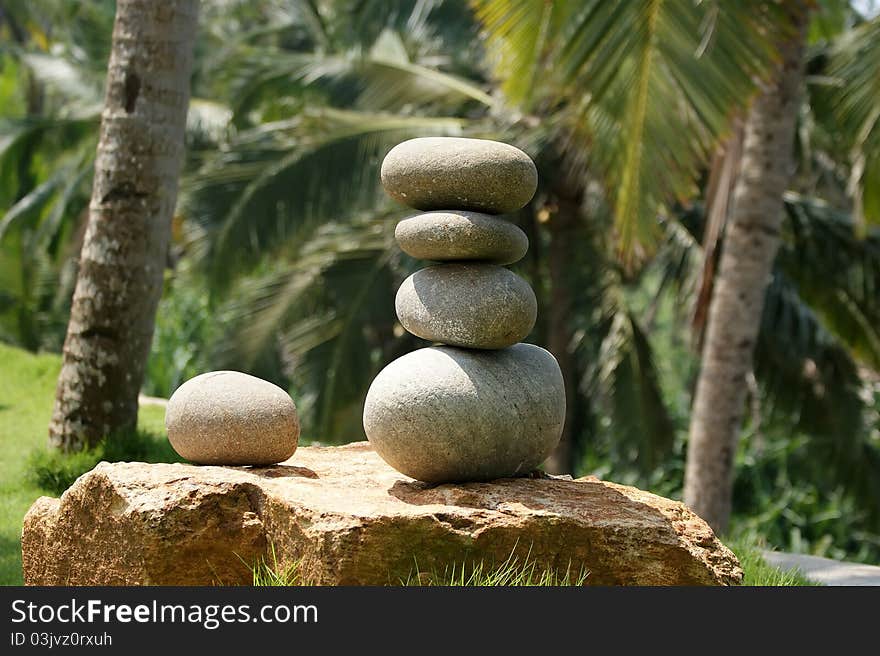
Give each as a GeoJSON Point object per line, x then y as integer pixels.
{"type": "Point", "coordinates": [628, 386]}
{"type": "Point", "coordinates": [820, 314]}
{"type": "Point", "coordinates": [380, 79]}
{"type": "Point", "coordinates": [316, 314]}
{"type": "Point", "coordinates": [332, 160]}
{"type": "Point", "coordinates": [855, 101]}
{"type": "Point", "coordinates": [836, 272]}
{"type": "Point", "coordinates": [646, 87]}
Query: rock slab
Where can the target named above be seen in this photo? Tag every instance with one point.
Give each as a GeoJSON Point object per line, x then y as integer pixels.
{"type": "Point", "coordinates": [348, 518]}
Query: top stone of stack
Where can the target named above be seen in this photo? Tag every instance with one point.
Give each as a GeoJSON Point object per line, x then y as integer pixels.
{"type": "Point", "coordinates": [442, 173]}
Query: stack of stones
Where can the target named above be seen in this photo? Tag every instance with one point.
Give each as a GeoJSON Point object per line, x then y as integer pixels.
{"type": "Point", "coordinates": [481, 405]}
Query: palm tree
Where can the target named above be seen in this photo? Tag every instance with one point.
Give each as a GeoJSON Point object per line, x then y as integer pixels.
{"type": "Point", "coordinates": [846, 120]}
{"type": "Point", "coordinates": [750, 244]}
{"type": "Point", "coordinates": [47, 153]}
{"type": "Point", "coordinates": [140, 151]}
{"type": "Point", "coordinates": [646, 63]}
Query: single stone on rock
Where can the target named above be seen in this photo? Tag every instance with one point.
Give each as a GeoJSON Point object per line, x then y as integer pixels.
{"type": "Point", "coordinates": [471, 305]}
{"type": "Point", "coordinates": [231, 418]}
{"type": "Point", "coordinates": [453, 235]}
{"type": "Point", "coordinates": [443, 414]}
{"type": "Point", "coordinates": [347, 518]}
{"type": "Point", "coordinates": [437, 173]}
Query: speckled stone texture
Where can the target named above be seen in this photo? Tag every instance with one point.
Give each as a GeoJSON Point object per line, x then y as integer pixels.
{"type": "Point", "coordinates": [480, 306]}
{"type": "Point", "coordinates": [436, 173]}
{"type": "Point", "coordinates": [347, 518]}
{"type": "Point", "coordinates": [450, 235]}
{"type": "Point", "coordinates": [231, 418]}
{"type": "Point", "coordinates": [449, 414]}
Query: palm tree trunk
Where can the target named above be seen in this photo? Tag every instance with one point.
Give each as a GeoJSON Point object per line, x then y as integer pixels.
{"type": "Point", "coordinates": [749, 248]}
{"type": "Point", "coordinates": [559, 336]}
{"type": "Point", "coordinates": [123, 256]}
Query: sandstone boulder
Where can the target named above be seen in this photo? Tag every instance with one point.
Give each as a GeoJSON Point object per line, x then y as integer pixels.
{"type": "Point", "coordinates": [348, 518]}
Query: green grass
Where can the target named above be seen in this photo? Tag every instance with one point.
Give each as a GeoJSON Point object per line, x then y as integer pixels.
{"type": "Point", "coordinates": [27, 391]}
{"type": "Point", "coordinates": [758, 572]}
{"type": "Point", "coordinates": [513, 573]}
{"type": "Point", "coordinates": [53, 471]}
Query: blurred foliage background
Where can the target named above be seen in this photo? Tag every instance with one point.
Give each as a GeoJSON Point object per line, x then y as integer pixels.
{"type": "Point", "coordinates": [284, 264]}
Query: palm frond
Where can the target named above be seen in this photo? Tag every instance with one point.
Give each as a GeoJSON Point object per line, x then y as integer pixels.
{"type": "Point", "coordinates": [647, 88]}
{"type": "Point", "coordinates": [855, 101]}
{"type": "Point", "coordinates": [392, 80]}
{"type": "Point", "coordinates": [318, 313]}
{"type": "Point", "coordinates": [836, 272]}
{"type": "Point", "coordinates": [57, 191]}
{"type": "Point", "coordinates": [812, 381]}
{"type": "Point", "coordinates": [519, 34]}
{"type": "Point", "coordinates": [819, 318]}
{"type": "Point", "coordinates": [382, 78]}
{"type": "Point", "coordinates": [331, 159]}
{"type": "Point", "coordinates": [32, 204]}
{"type": "Point", "coordinates": [81, 89]}
{"type": "Point", "coordinates": [805, 371]}
{"type": "Point", "coordinates": [626, 388]}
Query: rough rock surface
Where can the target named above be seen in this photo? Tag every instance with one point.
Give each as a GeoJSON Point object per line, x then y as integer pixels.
{"type": "Point", "coordinates": [440, 173]}
{"type": "Point", "coordinates": [350, 519]}
{"type": "Point", "coordinates": [445, 414]}
{"type": "Point", "coordinates": [471, 305]}
{"type": "Point", "coordinates": [231, 418]}
{"type": "Point", "coordinates": [450, 235]}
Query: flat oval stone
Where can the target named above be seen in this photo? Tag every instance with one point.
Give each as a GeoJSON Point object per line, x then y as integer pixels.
{"type": "Point", "coordinates": [444, 414]}
{"type": "Point", "coordinates": [438, 173]}
{"type": "Point", "coordinates": [231, 418]}
{"type": "Point", "coordinates": [472, 305]}
{"type": "Point", "coordinates": [450, 235]}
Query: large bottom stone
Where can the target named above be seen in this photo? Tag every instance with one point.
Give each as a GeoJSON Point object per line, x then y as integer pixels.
{"type": "Point", "coordinates": [348, 518]}
{"type": "Point", "coordinates": [445, 414]}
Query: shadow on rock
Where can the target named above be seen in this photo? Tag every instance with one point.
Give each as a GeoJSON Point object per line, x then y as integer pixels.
{"type": "Point", "coordinates": [282, 471]}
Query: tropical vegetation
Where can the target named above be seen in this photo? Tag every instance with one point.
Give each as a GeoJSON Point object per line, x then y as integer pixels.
{"type": "Point", "coordinates": [283, 261]}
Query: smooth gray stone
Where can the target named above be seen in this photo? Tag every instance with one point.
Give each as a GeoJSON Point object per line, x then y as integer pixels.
{"type": "Point", "coordinates": [450, 235]}
{"type": "Point", "coordinates": [231, 418]}
{"type": "Point", "coordinates": [471, 305]}
{"type": "Point", "coordinates": [445, 414]}
{"type": "Point", "coordinates": [437, 173]}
